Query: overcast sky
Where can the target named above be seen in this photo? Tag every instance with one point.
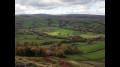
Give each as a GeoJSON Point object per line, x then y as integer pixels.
{"type": "Point", "coordinates": [60, 7]}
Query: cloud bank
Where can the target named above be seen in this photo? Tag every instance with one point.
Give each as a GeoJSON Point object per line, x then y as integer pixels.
{"type": "Point", "coordinates": [60, 7]}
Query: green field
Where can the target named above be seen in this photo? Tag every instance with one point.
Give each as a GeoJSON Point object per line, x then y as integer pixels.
{"type": "Point", "coordinates": [88, 48]}
{"type": "Point", "coordinates": [65, 32]}
{"type": "Point", "coordinates": [35, 38]}
{"type": "Point", "coordinates": [76, 57]}
{"type": "Point", "coordinates": [95, 55]}
{"type": "Point", "coordinates": [54, 31]}
{"type": "Point", "coordinates": [93, 47]}
{"type": "Point", "coordinates": [90, 35]}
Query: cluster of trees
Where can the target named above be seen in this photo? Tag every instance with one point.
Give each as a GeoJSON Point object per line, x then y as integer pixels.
{"type": "Point", "coordinates": [77, 38]}
{"type": "Point", "coordinates": [63, 23]}
{"type": "Point", "coordinates": [57, 49]}
{"type": "Point", "coordinates": [30, 51]}
{"type": "Point", "coordinates": [24, 32]}
{"type": "Point", "coordinates": [26, 43]}
{"type": "Point", "coordinates": [49, 22]}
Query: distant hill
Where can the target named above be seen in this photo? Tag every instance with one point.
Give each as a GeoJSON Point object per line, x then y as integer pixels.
{"type": "Point", "coordinates": [79, 22]}
{"type": "Point", "coordinates": [82, 15]}
{"type": "Point", "coordinates": [28, 15]}
{"type": "Point", "coordinates": [65, 15]}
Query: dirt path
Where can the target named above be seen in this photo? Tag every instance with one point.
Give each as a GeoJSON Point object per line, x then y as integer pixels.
{"type": "Point", "coordinates": [37, 64]}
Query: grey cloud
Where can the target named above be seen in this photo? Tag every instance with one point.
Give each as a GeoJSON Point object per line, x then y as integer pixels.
{"type": "Point", "coordinates": [78, 1]}
{"type": "Point", "coordinates": [51, 4]}
{"type": "Point", "coordinates": [82, 2]}
{"type": "Point", "coordinates": [42, 4]}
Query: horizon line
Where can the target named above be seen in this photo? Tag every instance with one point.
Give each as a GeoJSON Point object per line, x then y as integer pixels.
{"type": "Point", "coordinates": [59, 14]}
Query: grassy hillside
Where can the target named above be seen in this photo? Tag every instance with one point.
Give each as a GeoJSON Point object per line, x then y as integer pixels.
{"type": "Point", "coordinates": [80, 24]}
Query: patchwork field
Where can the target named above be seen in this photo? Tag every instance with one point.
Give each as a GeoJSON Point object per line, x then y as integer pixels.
{"type": "Point", "coordinates": [51, 41]}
